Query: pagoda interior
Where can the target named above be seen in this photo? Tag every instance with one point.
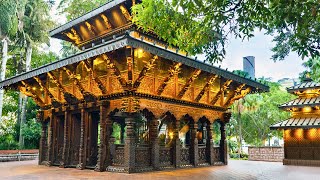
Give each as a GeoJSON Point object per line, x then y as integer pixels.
{"type": "Point", "coordinates": [128, 102]}
{"type": "Point", "coordinates": [301, 132]}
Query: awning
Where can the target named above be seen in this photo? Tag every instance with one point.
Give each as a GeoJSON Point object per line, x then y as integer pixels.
{"type": "Point", "coordinates": [303, 122]}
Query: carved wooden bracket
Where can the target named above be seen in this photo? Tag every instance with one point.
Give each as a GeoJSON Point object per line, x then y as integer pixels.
{"type": "Point", "coordinates": [206, 88]}
{"type": "Point", "coordinates": [193, 77]}
{"type": "Point", "coordinates": [147, 67]}
{"type": "Point", "coordinates": [175, 69]}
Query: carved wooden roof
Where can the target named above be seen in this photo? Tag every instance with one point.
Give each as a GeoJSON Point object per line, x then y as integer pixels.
{"type": "Point", "coordinates": [303, 122]}
{"type": "Point", "coordinates": [129, 40]}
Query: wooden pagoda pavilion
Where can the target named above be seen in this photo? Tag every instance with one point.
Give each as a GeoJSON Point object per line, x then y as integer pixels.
{"type": "Point", "coordinates": [128, 102]}
{"type": "Point", "coordinates": [302, 131]}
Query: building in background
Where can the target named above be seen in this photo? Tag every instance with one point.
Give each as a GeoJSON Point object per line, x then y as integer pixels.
{"type": "Point", "coordinates": [302, 130]}
{"type": "Point", "coordinates": [249, 66]}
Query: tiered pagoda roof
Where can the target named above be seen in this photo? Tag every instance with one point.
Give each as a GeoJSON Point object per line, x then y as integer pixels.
{"type": "Point", "coordinates": [304, 109]}
{"type": "Point", "coordinates": [103, 70]}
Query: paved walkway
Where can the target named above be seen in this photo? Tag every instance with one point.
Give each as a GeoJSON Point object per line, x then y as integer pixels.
{"type": "Point", "coordinates": [235, 170]}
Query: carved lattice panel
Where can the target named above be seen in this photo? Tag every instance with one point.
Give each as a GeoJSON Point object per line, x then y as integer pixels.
{"type": "Point", "coordinates": [119, 157]}
{"type": "Point", "coordinates": [216, 154]}
{"type": "Point", "coordinates": [189, 94]}
{"type": "Point", "coordinates": [147, 85]}
{"type": "Point", "coordinates": [143, 156]}
{"type": "Point", "coordinates": [202, 154]}
{"type": "Point", "coordinates": [115, 86]}
{"type": "Point", "coordinates": [169, 90]}
{"type": "Point", "coordinates": [185, 156]}
{"type": "Point", "coordinates": [165, 156]}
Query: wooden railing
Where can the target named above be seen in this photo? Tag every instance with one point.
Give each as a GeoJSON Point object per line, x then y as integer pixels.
{"type": "Point", "coordinates": [16, 155]}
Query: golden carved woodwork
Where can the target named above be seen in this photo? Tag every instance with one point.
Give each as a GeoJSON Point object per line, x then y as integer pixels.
{"type": "Point", "coordinates": [130, 71]}
{"type": "Point", "coordinates": [28, 91]}
{"type": "Point", "coordinates": [130, 105]}
{"type": "Point", "coordinates": [73, 35]}
{"type": "Point", "coordinates": [74, 77]}
{"type": "Point", "coordinates": [147, 85]}
{"type": "Point", "coordinates": [219, 93]}
{"type": "Point", "coordinates": [53, 99]}
{"type": "Point", "coordinates": [242, 94]}
{"type": "Point", "coordinates": [56, 82]}
{"type": "Point", "coordinates": [193, 77]}
{"type": "Point", "coordinates": [232, 94]}
{"type": "Point", "coordinates": [159, 108]}
{"type": "Point", "coordinates": [106, 21]}
{"type": "Point", "coordinates": [125, 13]}
{"type": "Point", "coordinates": [174, 70]}
{"type": "Point", "coordinates": [95, 78]}
{"type": "Point", "coordinates": [90, 28]}
{"type": "Point", "coordinates": [111, 65]}
{"type": "Point", "coordinates": [147, 67]}
{"type": "Point", "coordinates": [206, 88]}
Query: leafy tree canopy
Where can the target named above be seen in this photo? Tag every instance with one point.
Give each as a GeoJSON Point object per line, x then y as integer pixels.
{"type": "Point", "coordinates": [205, 26]}
{"type": "Point", "coordinates": [257, 112]}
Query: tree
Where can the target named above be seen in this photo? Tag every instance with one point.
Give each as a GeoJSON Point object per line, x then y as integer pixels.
{"type": "Point", "coordinates": [75, 8]}
{"type": "Point", "coordinates": [205, 26]}
{"type": "Point", "coordinates": [258, 112]}
{"type": "Point", "coordinates": [35, 27]}
{"type": "Point", "coordinates": [313, 69]}
{"type": "Point", "coordinates": [8, 27]}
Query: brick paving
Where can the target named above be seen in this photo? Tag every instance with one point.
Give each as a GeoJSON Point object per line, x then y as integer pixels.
{"type": "Point", "coordinates": [235, 170]}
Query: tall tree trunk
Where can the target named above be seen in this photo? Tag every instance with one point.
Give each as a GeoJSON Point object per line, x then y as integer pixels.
{"type": "Point", "coordinates": [3, 70]}
{"type": "Point", "coordinates": [25, 98]}
{"type": "Point", "coordinates": [20, 69]}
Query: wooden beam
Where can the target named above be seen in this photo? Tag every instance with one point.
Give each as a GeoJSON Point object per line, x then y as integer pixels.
{"type": "Point", "coordinates": [206, 87]}
{"type": "Point", "coordinates": [193, 77]}
{"type": "Point", "coordinates": [242, 94]}
{"type": "Point", "coordinates": [129, 55]}
{"type": "Point", "coordinates": [125, 13]}
{"type": "Point", "coordinates": [222, 89]}
{"type": "Point", "coordinates": [28, 91]}
{"type": "Point", "coordinates": [91, 28]}
{"type": "Point", "coordinates": [70, 98]}
{"type": "Point", "coordinates": [175, 69]}
{"type": "Point", "coordinates": [73, 36]}
{"type": "Point", "coordinates": [55, 103]}
{"type": "Point", "coordinates": [88, 96]}
{"type": "Point", "coordinates": [116, 71]}
{"type": "Point", "coordinates": [106, 21]}
{"type": "Point", "coordinates": [96, 79]}
{"type": "Point", "coordinates": [232, 94]}
{"type": "Point", "coordinates": [147, 67]}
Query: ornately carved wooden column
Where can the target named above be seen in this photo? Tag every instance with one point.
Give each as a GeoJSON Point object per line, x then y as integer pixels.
{"type": "Point", "coordinates": [50, 138]}
{"type": "Point", "coordinates": [223, 141]}
{"type": "Point", "coordinates": [209, 145]}
{"type": "Point", "coordinates": [102, 153]}
{"type": "Point", "coordinates": [194, 144]}
{"type": "Point", "coordinates": [177, 145]}
{"type": "Point", "coordinates": [43, 140]}
{"type": "Point", "coordinates": [129, 147]}
{"type": "Point", "coordinates": [223, 144]}
{"type": "Point", "coordinates": [83, 134]}
{"type": "Point", "coordinates": [66, 139]}
{"type": "Point", "coordinates": [155, 147]}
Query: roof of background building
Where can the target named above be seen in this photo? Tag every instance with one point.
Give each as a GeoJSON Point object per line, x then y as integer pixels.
{"type": "Point", "coordinates": [305, 122]}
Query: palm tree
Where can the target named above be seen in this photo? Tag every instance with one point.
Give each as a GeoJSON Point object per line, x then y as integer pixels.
{"type": "Point", "coordinates": [36, 24]}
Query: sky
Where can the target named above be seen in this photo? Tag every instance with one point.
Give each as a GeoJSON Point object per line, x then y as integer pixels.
{"type": "Point", "coordinates": [258, 46]}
